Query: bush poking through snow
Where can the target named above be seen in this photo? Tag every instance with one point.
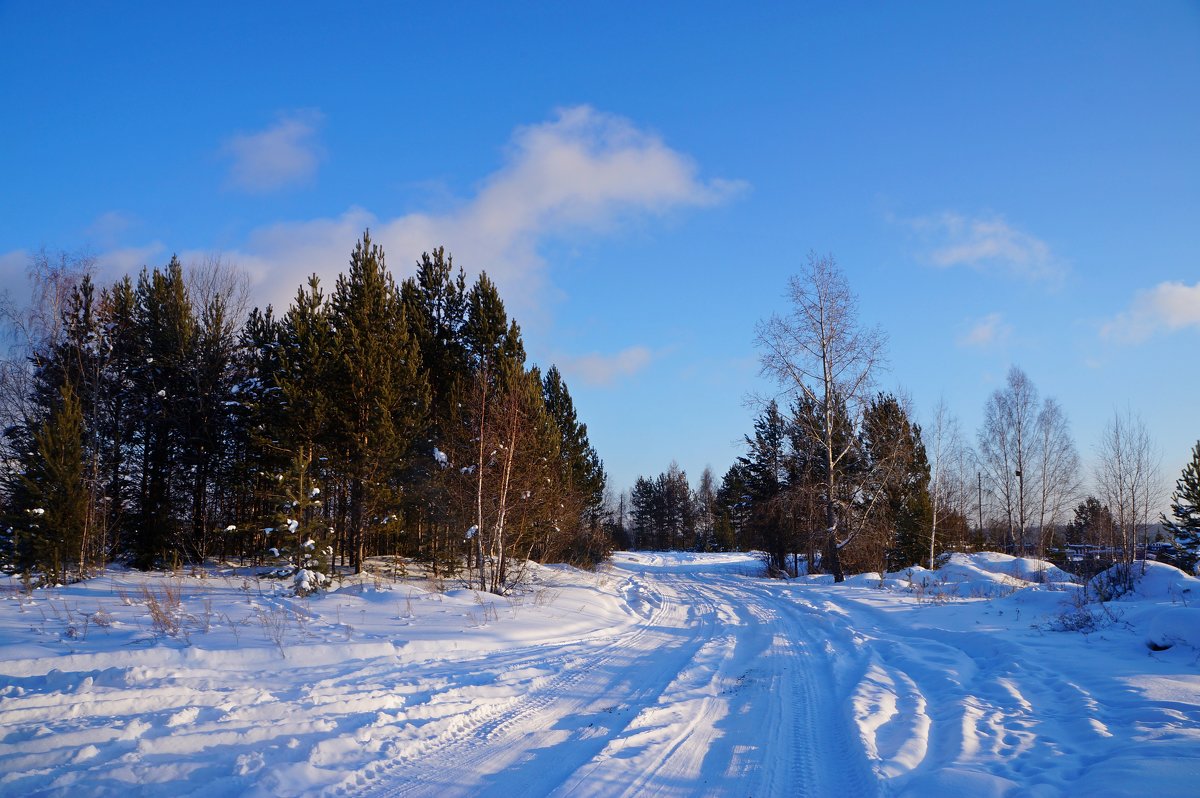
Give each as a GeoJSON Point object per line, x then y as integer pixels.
{"type": "Point", "coordinates": [164, 609]}
{"type": "Point", "coordinates": [308, 582]}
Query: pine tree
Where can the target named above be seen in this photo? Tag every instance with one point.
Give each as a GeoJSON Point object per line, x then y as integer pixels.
{"type": "Point", "coordinates": [898, 484]}
{"type": "Point", "coordinates": [49, 504]}
{"type": "Point", "coordinates": [256, 417]}
{"type": "Point", "coordinates": [435, 303]}
{"type": "Point", "coordinates": [205, 424]}
{"type": "Point", "coordinates": [1184, 524]}
{"type": "Point", "coordinates": [1093, 523]}
{"type": "Point", "coordinates": [378, 391]}
{"type": "Point", "coordinates": [706, 512]}
{"type": "Point", "coordinates": [765, 472]}
{"type": "Point", "coordinates": [733, 505]}
{"type": "Point", "coordinates": [301, 430]}
{"type": "Point", "coordinates": [116, 407]}
{"type": "Point", "coordinates": [642, 499]}
{"type": "Point", "coordinates": [165, 327]}
{"type": "Point", "coordinates": [583, 471]}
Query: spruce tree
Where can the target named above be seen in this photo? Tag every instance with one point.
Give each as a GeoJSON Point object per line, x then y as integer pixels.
{"type": "Point", "coordinates": [49, 505]}
{"type": "Point", "coordinates": [1184, 523]}
{"type": "Point", "coordinates": [897, 486]}
{"type": "Point", "coordinates": [117, 407]}
{"type": "Point", "coordinates": [583, 470]}
{"type": "Point", "coordinates": [165, 327]}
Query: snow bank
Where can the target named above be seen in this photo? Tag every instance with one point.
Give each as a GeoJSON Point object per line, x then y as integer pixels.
{"type": "Point", "coordinates": [981, 575]}
{"type": "Point", "coordinates": [1023, 568]}
{"type": "Point", "coordinates": [1157, 580]}
{"type": "Point", "coordinates": [1174, 626]}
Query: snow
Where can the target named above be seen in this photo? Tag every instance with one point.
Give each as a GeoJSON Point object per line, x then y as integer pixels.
{"type": "Point", "coordinates": [670, 674]}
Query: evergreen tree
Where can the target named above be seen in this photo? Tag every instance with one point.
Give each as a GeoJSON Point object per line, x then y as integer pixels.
{"type": "Point", "coordinates": [898, 483]}
{"type": "Point", "coordinates": [205, 423]}
{"type": "Point", "coordinates": [165, 327]}
{"type": "Point", "coordinates": [257, 416]}
{"type": "Point", "coordinates": [706, 512]}
{"type": "Point", "coordinates": [378, 391]}
{"type": "Point", "coordinates": [49, 504]}
{"type": "Point", "coordinates": [435, 302]}
{"type": "Point", "coordinates": [765, 473]}
{"type": "Point", "coordinates": [1184, 523]}
{"type": "Point", "coordinates": [1093, 523]}
{"type": "Point", "coordinates": [116, 408]}
{"type": "Point", "coordinates": [733, 503]}
{"type": "Point", "coordinates": [583, 471]}
{"type": "Point", "coordinates": [302, 433]}
{"type": "Point", "coordinates": [642, 501]}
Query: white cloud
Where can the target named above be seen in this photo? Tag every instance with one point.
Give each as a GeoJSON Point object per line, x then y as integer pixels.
{"type": "Point", "coordinates": [13, 279]}
{"type": "Point", "coordinates": [1168, 306]}
{"type": "Point", "coordinates": [989, 330]}
{"type": "Point", "coordinates": [597, 369]}
{"type": "Point", "coordinates": [13, 263]}
{"type": "Point", "coordinates": [107, 228]}
{"type": "Point", "coordinates": [581, 171]}
{"type": "Point", "coordinates": [114, 263]}
{"type": "Point", "coordinates": [285, 154]}
{"type": "Point", "coordinates": [987, 244]}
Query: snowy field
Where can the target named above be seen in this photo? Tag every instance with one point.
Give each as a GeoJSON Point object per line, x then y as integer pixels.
{"type": "Point", "coordinates": [663, 674]}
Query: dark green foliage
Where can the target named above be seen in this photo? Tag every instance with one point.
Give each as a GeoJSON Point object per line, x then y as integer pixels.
{"type": "Point", "coordinates": [1093, 524]}
{"type": "Point", "coordinates": [162, 392]}
{"type": "Point", "coordinates": [662, 512]}
{"type": "Point", "coordinates": [1184, 522]}
{"type": "Point", "coordinates": [48, 507]}
{"type": "Point", "coordinates": [765, 476]}
{"type": "Point", "coordinates": [898, 481]}
{"type": "Point", "coordinates": [582, 469]}
{"type": "Point", "coordinates": [379, 395]}
{"type": "Point", "coordinates": [375, 420]}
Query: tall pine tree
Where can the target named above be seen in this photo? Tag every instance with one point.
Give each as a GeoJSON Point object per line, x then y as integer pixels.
{"type": "Point", "coordinates": [49, 504]}
{"type": "Point", "coordinates": [1184, 523]}
{"type": "Point", "coordinates": [379, 393]}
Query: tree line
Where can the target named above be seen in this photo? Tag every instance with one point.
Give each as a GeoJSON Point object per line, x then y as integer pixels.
{"type": "Point", "coordinates": [154, 421]}
{"type": "Point", "coordinates": [839, 477]}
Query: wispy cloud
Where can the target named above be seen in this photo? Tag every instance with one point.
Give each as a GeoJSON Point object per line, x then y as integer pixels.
{"type": "Point", "coordinates": [108, 228]}
{"type": "Point", "coordinates": [1168, 306]}
{"type": "Point", "coordinates": [113, 263]}
{"type": "Point", "coordinates": [285, 154]}
{"type": "Point", "coordinates": [988, 331]}
{"type": "Point", "coordinates": [13, 266]}
{"type": "Point", "coordinates": [986, 244]}
{"type": "Point", "coordinates": [583, 170]}
{"type": "Point", "coordinates": [597, 369]}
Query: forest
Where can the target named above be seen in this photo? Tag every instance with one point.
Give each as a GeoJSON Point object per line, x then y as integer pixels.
{"type": "Point", "coordinates": [840, 477]}
{"type": "Point", "coordinates": [155, 422]}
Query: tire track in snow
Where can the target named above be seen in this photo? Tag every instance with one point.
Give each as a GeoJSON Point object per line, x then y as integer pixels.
{"type": "Point", "coordinates": [766, 723]}
{"type": "Point", "coordinates": [481, 742]}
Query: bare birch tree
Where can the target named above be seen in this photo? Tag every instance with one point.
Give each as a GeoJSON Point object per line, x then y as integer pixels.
{"type": "Point", "coordinates": [819, 351]}
{"type": "Point", "coordinates": [1028, 459]}
{"type": "Point", "coordinates": [1127, 478]}
{"type": "Point", "coordinates": [1058, 484]}
{"type": "Point", "coordinates": [947, 478]}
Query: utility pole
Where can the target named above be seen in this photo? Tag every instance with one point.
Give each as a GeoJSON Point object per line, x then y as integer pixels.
{"type": "Point", "coordinates": [979, 474]}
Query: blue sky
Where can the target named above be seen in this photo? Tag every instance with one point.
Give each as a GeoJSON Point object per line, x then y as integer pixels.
{"type": "Point", "coordinates": [1002, 183]}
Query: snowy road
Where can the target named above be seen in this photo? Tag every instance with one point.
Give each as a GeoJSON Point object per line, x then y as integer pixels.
{"type": "Point", "coordinates": [717, 691]}
{"type": "Point", "coordinates": [666, 675]}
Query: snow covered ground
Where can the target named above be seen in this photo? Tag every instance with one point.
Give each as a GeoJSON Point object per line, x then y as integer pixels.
{"type": "Point", "coordinates": [663, 674]}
